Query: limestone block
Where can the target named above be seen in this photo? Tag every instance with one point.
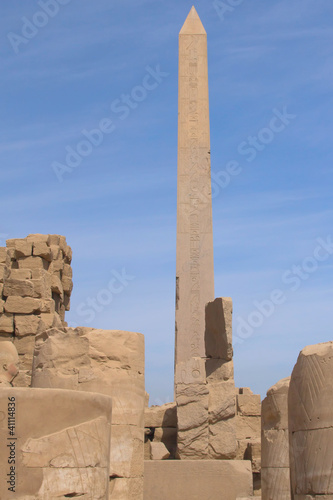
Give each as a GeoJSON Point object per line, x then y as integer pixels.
{"type": "Point", "coordinates": [126, 488]}
{"type": "Point", "coordinates": [219, 369]}
{"type": "Point", "coordinates": [21, 288]}
{"type": "Point", "coordinates": [249, 404]}
{"type": "Point", "coordinates": [158, 451]}
{"type": "Point", "coordinates": [218, 330]}
{"type": "Point", "coordinates": [22, 305]}
{"type": "Point", "coordinates": [247, 427]}
{"type": "Point", "coordinates": [310, 421]}
{"type": "Point", "coordinates": [33, 263]}
{"type": "Point", "coordinates": [63, 455]}
{"type": "Point", "coordinates": [21, 247]}
{"type": "Point", "coordinates": [20, 274]}
{"type": "Point", "coordinates": [197, 480]}
{"type": "Point", "coordinates": [41, 249]}
{"type": "Point", "coordinates": [161, 416]}
{"type": "Point", "coordinates": [6, 323]}
{"type": "Point", "coordinates": [222, 440]}
{"type": "Point", "coordinates": [126, 458]}
{"type": "Point", "coordinates": [222, 401]}
{"type": "Point", "coordinates": [26, 325]}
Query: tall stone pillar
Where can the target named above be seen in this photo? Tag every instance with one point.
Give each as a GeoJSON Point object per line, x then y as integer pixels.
{"type": "Point", "coordinates": [195, 268]}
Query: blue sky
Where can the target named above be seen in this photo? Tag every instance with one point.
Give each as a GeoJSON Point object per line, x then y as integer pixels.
{"type": "Point", "coordinates": [117, 207]}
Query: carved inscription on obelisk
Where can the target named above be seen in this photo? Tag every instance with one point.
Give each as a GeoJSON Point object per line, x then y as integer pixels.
{"type": "Point", "coordinates": [195, 269]}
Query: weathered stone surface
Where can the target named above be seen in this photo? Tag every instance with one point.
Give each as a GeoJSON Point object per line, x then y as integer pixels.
{"type": "Point", "coordinates": [42, 285]}
{"type": "Point", "coordinates": [249, 405]}
{"type": "Point", "coordinates": [41, 249]}
{"type": "Point", "coordinates": [275, 448]}
{"type": "Point", "coordinates": [20, 274]}
{"type": "Point", "coordinates": [158, 451]}
{"type": "Point", "coordinates": [275, 406]}
{"type": "Point", "coordinates": [22, 305]}
{"type": "Point", "coordinates": [192, 406]}
{"type": "Point", "coordinates": [218, 370]}
{"type": "Point", "coordinates": [167, 436]}
{"type": "Point", "coordinates": [126, 459]}
{"type": "Point", "coordinates": [6, 323]}
{"type": "Point", "coordinates": [222, 401]}
{"type": "Point", "coordinates": [253, 453]}
{"type": "Point", "coordinates": [63, 455]}
{"type": "Point", "coordinates": [126, 488]}
{"type": "Point", "coordinates": [161, 416]}
{"type": "Point", "coordinates": [9, 363]}
{"type": "Point", "coordinates": [21, 247]}
{"type": "Point", "coordinates": [191, 371]}
{"type": "Point", "coordinates": [193, 443]}
{"type": "Point", "coordinates": [3, 255]}
{"type": "Point", "coordinates": [33, 263]}
{"type": "Point", "coordinates": [218, 331]}
{"type": "Point", "coordinates": [56, 286]}
{"type": "Point", "coordinates": [310, 421]}
{"type": "Point", "coordinates": [222, 440]}
{"type": "Point", "coordinates": [275, 483]}
{"type": "Point", "coordinates": [26, 325]}
{"type": "Point", "coordinates": [247, 427]}
{"type": "Point", "coordinates": [197, 480]}
{"type": "Point", "coordinates": [22, 288]}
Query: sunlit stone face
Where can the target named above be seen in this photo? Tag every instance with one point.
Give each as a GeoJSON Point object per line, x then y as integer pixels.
{"type": "Point", "coordinates": [9, 363]}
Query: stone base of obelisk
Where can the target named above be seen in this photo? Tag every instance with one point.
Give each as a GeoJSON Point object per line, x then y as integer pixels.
{"type": "Point", "coordinates": [197, 479]}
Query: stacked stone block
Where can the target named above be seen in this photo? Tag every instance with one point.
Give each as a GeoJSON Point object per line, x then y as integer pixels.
{"type": "Point", "coordinates": [109, 362]}
{"type": "Point", "coordinates": [161, 432]}
{"type": "Point", "coordinates": [35, 285]}
{"type": "Point", "coordinates": [275, 472]}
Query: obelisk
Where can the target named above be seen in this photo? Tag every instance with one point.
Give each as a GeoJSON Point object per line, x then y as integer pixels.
{"type": "Point", "coordinates": [195, 267]}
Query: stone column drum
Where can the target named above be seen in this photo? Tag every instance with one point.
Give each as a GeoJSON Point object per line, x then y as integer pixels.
{"type": "Point", "coordinates": [311, 424]}
{"type": "Point", "coordinates": [275, 473]}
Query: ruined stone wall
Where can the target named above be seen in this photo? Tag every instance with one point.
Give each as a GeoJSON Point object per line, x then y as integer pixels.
{"type": "Point", "coordinates": [35, 288]}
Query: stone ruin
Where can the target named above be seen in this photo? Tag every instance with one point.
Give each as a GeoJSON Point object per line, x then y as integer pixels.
{"type": "Point", "coordinates": [73, 408]}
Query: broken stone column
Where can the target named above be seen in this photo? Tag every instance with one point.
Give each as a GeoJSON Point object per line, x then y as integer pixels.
{"type": "Point", "coordinates": [275, 472]}
{"type": "Point", "coordinates": [57, 443]}
{"type": "Point", "coordinates": [310, 404]}
{"type": "Point", "coordinates": [109, 362]}
{"type": "Point", "coordinates": [35, 286]}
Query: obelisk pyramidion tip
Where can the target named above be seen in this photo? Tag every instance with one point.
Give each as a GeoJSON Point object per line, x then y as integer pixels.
{"type": "Point", "coordinates": [193, 24]}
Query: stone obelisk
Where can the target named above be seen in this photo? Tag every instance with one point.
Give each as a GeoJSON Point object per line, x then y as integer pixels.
{"type": "Point", "coordinates": [195, 267]}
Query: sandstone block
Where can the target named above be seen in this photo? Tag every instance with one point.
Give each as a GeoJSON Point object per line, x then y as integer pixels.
{"type": "Point", "coordinates": [222, 440]}
{"type": "Point", "coordinates": [21, 247]}
{"type": "Point", "coordinates": [67, 271]}
{"type": "Point", "coordinates": [193, 443]}
{"type": "Point", "coordinates": [67, 302]}
{"type": "Point", "coordinates": [158, 451]}
{"type": "Point", "coordinates": [161, 416]}
{"type": "Point", "coordinates": [3, 255]}
{"type": "Point", "coordinates": [218, 330]}
{"type": "Point", "coordinates": [56, 286]}
{"type": "Point", "coordinates": [22, 305]}
{"type": "Point", "coordinates": [275, 483]}
{"type": "Point", "coordinates": [53, 239]}
{"type": "Point", "coordinates": [20, 274]}
{"type": "Point", "coordinates": [25, 347]}
{"type": "Point", "coordinates": [42, 287]}
{"type": "Point", "coordinates": [249, 404]}
{"type": "Point", "coordinates": [195, 479]}
{"type": "Point", "coordinates": [26, 325]}
{"type": "Point", "coordinates": [47, 306]}
{"type": "Point", "coordinates": [126, 458]}
{"type": "Point", "coordinates": [21, 288]}
{"type": "Point", "coordinates": [63, 455]}
{"type": "Point", "coordinates": [253, 453]}
{"type": "Point", "coordinates": [275, 448]}
{"type": "Point", "coordinates": [33, 263]}
{"type": "Point", "coordinates": [41, 249]}
{"type": "Point", "coordinates": [222, 401]}
{"type": "Point", "coordinates": [2, 305]}
{"type": "Point", "coordinates": [219, 369]}
{"type": "Point", "coordinates": [275, 406]}
{"type": "Point", "coordinates": [126, 488]}
{"type": "Point", "coordinates": [191, 371]}
{"type": "Point", "coordinates": [49, 320]}
{"type": "Point", "coordinates": [247, 427]}
{"type": "Point", "coordinates": [167, 436]}
{"type": "Point", "coordinates": [67, 284]}
{"type": "Point", "coordinates": [57, 266]}
{"type": "Point", "coordinates": [245, 390]}
{"type": "Point", "coordinates": [36, 238]}
{"type": "Point", "coordinates": [192, 405]}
